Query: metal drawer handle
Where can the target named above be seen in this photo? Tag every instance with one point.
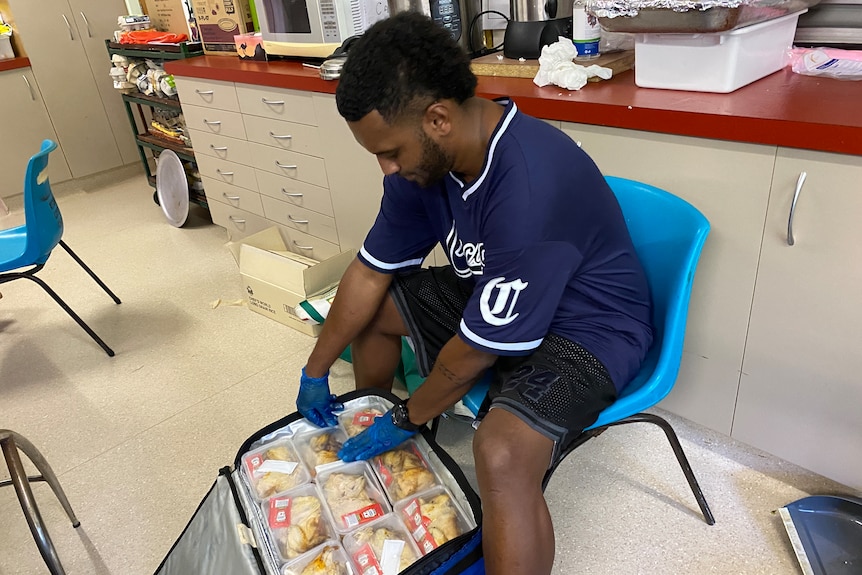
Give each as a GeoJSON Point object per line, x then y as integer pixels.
{"type": "Point", "coordinates": [213, 123]}
{"type": "Point", "coordinates": [285, 166]}
{"type": "Point", "coordinates": [69, 26]}
{"type": "Point", "coordinates": [799, 183]}
{"type": "Point", "coordinates": [301, 246]}
{"type": "Point", "coordinates": [291, 194]}
{"type": "Point", "coordinates": [223, 173]}
{"type": "Point", "coordinates": [272, 102]}
{"type": "Point", "coordinates": [29, 87]}
{"type": "Point", "coordinates": [87, 22]}
{"type": "Point", "coordinates": [236, 220]}
{"type": "Point", "coordinates": [219, 149]}
{"type": "Point", "coordinates": [203, 92]}
{"type": "Point", "coordinates": [231, 198]}
{"type": "Point", "coordinates": [296, 221]}
{"type": "Point", "coordinates": [287, 137]}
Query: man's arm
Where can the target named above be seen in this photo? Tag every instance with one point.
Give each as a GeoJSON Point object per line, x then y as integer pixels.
{"type": "Point", "coordinates": [360, 293]}
{"type": "Point", "coordinates": [457, 368]}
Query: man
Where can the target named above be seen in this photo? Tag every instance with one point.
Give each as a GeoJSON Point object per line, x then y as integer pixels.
{"type": "Point", "coordinates": [544, 284]}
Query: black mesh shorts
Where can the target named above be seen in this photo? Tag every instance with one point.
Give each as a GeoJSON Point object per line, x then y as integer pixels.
{"type": "Point", "coordinates": [558, 390]}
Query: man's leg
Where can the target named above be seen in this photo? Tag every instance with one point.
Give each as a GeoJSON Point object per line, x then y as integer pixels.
{"type": "Point", "coordinates": [377, 350]}
{"type": "Point", "coordinates": [511, 460]}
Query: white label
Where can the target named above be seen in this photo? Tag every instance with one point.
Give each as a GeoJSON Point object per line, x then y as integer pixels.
{"type": "Point", "coordinates": [275, 466]}
{"type": "Point", "coordinates": [390, 559]}
{"type": "Point", "coordinates": [585, 27]}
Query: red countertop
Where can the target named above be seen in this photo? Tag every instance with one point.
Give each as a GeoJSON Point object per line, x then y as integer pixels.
{"type": "Point", "coordinates": [784, 109]}
{"type": "Point", "coordinates": [14, 64]}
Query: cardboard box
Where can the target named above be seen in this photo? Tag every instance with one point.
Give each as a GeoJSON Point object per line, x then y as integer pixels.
{"type": "Point", "coordinates": [169, 16]}
{"type": "Point", "coordinates": [275, 280]}
{"type": "Point", "coordinates": [219, 21]}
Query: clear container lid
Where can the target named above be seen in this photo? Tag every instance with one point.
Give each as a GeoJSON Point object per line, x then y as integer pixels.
{"type": "Point", "coordinates": [354, 420]}
{"type": "Point", "coordinates": [274, 468]}
{"type": "Point", "coordinates": [382, 546]}
{"type": "Point", "coordinates": [328, 559]}
{"type": "Point", "coordinates": [352, 495]}
{"type": "Point", "coordinates": [404, 471]}
{"type": "Point", "coordinates": [296, 521]}
{"type": "Point", "coordinates": [433, 518]}
{"type": "Point", "coordinates": [319, 447]}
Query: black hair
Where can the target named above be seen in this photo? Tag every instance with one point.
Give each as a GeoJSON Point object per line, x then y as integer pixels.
{"type": "Point", "coordinates": [399, 64]}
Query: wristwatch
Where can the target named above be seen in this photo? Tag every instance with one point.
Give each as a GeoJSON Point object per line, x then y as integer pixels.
{"type": "Point", "coordinates": [401, 418]}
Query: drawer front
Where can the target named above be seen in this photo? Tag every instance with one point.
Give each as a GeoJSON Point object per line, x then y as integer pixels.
{"type": "Point", "coordinates": [285, 135]}
{"type": "Point", "coordinates": [309, 246]}
{"type": "Point", "coordinates": [207, 93]}
{"type": "Point", "coordinates": [218, 122]}
{"type": "Point", "coordinates": [300, 219]}
{"type": "Point", "coordinates": [233, 196]}
{"type": "Point", "coordinates": [221, 147]}
{"type": "Point", "coordinates": [227, 172]}
{"type": "Point", "coordinates": [278, 104]}
{"type": "Point", "coordinates": [238, 223]}
{"type": "Point", "coordinates": [290, 164]}
{"type": "Point", "coordinates": [295, 192]}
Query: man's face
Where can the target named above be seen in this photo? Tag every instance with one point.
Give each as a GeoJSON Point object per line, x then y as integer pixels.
{"type": "Point", "coordinates": [404, 148]}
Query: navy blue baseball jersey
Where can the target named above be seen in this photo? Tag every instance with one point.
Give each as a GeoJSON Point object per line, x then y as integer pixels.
{"type": "Point", "coordinates": [539, 234]}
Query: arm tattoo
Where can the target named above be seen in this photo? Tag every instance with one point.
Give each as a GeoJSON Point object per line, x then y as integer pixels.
{"type": "Point", "coordinates": [450, 375]}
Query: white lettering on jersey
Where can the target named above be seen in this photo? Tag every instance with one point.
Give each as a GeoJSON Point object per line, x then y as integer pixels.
{"type": "Point", "coordinates": [507, 294]}
{"type": "Point", "coordinates": [467, 259]}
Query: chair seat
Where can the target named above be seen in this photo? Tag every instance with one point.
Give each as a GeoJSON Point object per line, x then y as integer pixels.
{"type": "Point", "coordinates": [13, 242]}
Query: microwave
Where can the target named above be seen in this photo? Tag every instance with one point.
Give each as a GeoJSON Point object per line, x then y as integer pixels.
{"type": "Point", "coordinates": [314, 28]}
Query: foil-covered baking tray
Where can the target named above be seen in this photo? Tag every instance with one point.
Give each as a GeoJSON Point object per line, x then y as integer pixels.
{"type": "Point", "coordinates": [670, 17]}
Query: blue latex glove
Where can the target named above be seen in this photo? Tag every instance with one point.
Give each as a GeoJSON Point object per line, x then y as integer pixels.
{"type": "Point", "coordinates": [315, 402]}
{"type": "Point", "coordinates": [381, 436]}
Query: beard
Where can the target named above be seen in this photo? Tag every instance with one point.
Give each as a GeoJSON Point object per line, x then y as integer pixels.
{"type": "Point", "coordinates": [435, 163]}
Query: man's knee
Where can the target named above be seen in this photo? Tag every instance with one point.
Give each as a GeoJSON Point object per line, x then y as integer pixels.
{"type": "Point", "coordinates": [509, 452]}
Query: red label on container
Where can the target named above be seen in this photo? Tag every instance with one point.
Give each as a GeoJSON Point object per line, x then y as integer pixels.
{"type": "Point", "coordinates": [363, 515]}
{"type": "Point", "coordinates": [279, 512]}
{"type": "Point", "coordinates": [384, 473]}
{"type": "Point", "coordinates": [254, 462]}
{"type": "Point", "coordinates": [364, 418]}
{"type": "Point", "coordinates": [418, 526]}
{"type": "Point", "coordinates": [366, 561]}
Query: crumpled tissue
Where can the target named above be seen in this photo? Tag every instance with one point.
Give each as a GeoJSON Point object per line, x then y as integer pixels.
{"type": "Point", "coordinates": [556, 67]}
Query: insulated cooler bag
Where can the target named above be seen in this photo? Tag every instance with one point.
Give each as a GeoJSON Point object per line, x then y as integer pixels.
{"type": "Point", "coordinates": [241, 526]}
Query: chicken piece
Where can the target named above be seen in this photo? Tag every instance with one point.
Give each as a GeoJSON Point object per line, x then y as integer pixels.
{"type": "Point", "coordinates": [351, 421]}
{"type": "Point", "coordinates": [346, 493]}
{"type": "Point", "coordinates": [273, 482]}
{"type": "Point", "coordinates": [280, 453]}
{"type": "Point", "coordinates": [408, 472]}
{"type": "Point", "coordinates": [325, 448]}
{"type": "Point", "coordinates": [377, 537]}
{"type": "Point", "coordinates": [308, 528]}
{"type": "Point", "coordinates": [398, 460]}
{"type": "Point", "coordinates": [443, 518]}
{"type": "Point", "coordinates": [325, 564]}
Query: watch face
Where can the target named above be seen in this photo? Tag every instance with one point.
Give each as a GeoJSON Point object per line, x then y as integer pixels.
{"type": "Point", "coordinates": [401, 418]}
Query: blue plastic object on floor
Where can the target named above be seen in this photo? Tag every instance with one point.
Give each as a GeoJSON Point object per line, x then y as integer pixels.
{"type": "Point", "coordinates": [826, 533]}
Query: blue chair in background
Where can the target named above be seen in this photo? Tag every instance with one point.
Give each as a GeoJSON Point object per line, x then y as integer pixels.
{"type": "Point", "coordinates": [32, 243]}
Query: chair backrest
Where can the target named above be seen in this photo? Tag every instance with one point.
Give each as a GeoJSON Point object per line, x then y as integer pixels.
{"type": "Point", "coordinates": [668, 235]}
{"type": "Point", "coordinates": [43, 222]}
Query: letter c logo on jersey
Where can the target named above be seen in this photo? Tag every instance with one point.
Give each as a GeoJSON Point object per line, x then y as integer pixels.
{"type": "Point", "coordinates": [505, 295]}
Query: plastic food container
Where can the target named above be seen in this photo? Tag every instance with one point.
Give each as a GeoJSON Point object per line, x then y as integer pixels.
{"type": "Point", "coordinates": [352, 495]}
{"type": "Point", "coordinates": [716, 62]}
{"type": "Point", "coordinates": [404, 471]}
{"type": "Point", "coordinates": [433, 518]}
{"type": "Point", "coordinates": [274, 468]}
{"type": "Point", "coordinates": [328, 559]}
{"type": "Point", "coordinates": [296, 521]}
{"type": "Point", "coordinates": [355, 420]}
{"type": "Point", "coordinates": [383, 546]}
{"type": "Point", "coordinates": [319, 447]}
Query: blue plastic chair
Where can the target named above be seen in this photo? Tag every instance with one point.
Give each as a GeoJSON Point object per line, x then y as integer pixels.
{"type": "Point", "coordinates": [668, 234]}
{"type": "Point", "coordinates": [32, 243]}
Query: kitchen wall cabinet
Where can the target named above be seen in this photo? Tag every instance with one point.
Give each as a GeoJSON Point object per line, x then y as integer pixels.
{"type": "Point", "coordinates": [60, 51]}
{"type": "Point", "coordinates": [25, 125]}
{"type": "Point", "coordinates": [801, 389]}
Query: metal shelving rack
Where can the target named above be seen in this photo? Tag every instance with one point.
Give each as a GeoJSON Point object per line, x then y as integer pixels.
{"type": "Point", "coordinates": [146, 140]}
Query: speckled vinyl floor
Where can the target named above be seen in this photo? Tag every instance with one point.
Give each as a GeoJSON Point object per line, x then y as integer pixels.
{"type": "Point", "coordinates": [137, 439]}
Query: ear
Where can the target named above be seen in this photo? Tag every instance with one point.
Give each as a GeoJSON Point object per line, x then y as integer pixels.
{"type": "Point", "coordinates": [438, 118]}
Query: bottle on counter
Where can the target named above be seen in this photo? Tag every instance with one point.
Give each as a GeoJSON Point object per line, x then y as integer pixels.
{"type": "Point", "coordinates": [586, 31]}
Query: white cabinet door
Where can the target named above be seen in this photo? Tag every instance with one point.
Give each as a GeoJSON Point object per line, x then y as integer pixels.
{"type": "Point", "coordinates": [801, 389]}
{"type": "Point", "coordinates": [729, 182]}
{"type": "Point", "coordinates": [61, 67]}
{"type": "Point", "coordinates": [25, 125]}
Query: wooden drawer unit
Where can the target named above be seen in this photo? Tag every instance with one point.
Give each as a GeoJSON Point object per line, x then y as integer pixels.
{"type": "Point", "coordinates": [233, 196]}
{"type": "Point", "coordinates": [294, 192]}
{"type": "Point", "coordinates": [277, 104]}
{"type": "Point", "coordinates": [285, 135]}
{"type": "Point", "coordinates": [219, 122]}
{"type": "Point", "coordinates": [290, 164]}
{"type": "Point", "coordinates": [238, 223]}
{"type": "Point", "coordinates": [300, 219]}
{"type": "Point", "coordinates": [307, 245]}
{"type": "Point", "coordinates": [207, 93]}
{"type": "Point", "coordinates": [227, 172]}
{"type": "Point", "coordinates": [221, 147]}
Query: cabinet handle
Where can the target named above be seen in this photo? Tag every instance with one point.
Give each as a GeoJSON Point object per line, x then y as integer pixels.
{"type": "Point", "coordinates": [203, 92]}
{"type": "Point", "coordinates": [272, 102]}
{"type": "Point", "coordinates": [799, 183]}
{"type": "Point", "coordinates": [285, 166]}
{"type": "Point", "coordinates": [219, 148]}
{"type": "Point", "coordinates": [291, 194]}
{"type": "Point", "coordinates": [69, 26]}
{"type": "Point", "coordinates": [87, 22]}
{"type": "Point", "coordinates": [287, 137]}
{"type": "Point", "coordinates": [236, 220]}
{"type": "Point", "coordinates": [213, 123]}
{"type": "Point", "coordinates": [301, 246]}
{"type": "Point", "coordinates": [218, 170]}
{"type": "Point", "coordinates": [296, 221]}
{"type": "Point", "coordinates": [29, 87]}
{"type": "Point", "coordinates": [231, 198]}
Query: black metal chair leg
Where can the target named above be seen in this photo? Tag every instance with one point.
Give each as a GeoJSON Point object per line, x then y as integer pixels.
{"type": "Point", "coordinates": [72, 314]}
{"type": "Point", "coordinates": [89, 271]}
